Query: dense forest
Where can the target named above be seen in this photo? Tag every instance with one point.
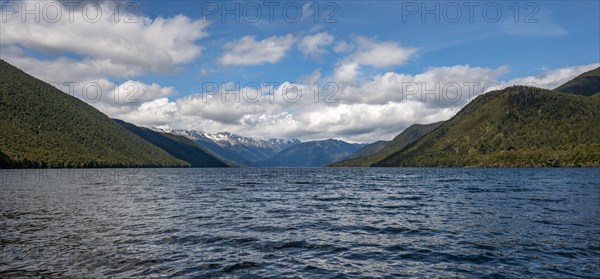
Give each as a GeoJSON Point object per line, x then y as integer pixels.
{"type": "Point", "coordinates": [44, 127]}
{"type": "Point", "coordinates": [515, 127]}
{"type": "Point", "coordinates": [410, 134]}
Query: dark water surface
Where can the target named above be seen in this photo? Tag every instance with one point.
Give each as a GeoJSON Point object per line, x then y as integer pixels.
{"type": "Point", "coordinates": [317, 223]}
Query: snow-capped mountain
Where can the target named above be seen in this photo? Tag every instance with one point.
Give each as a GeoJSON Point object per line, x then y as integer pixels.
{"type": "Point", "coordinates": [236, 148]}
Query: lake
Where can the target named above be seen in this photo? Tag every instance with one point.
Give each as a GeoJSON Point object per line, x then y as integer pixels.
{"type": "Point", "coordinates": [317, 223]}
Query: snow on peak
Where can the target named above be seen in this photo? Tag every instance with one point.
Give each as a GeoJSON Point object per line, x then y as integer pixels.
{"type": "Point", "coordinates": [230, 139]}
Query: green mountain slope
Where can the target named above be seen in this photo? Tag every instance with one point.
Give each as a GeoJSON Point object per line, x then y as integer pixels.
{"type": "Point", "coordinates": [586, 84]}
{"type": "Point", "coordinates": [368, 150]}
{"type": "Point", "coordinates": [178, 146]}
{"type": "Point", "coordinates": [407, 136]}
{"type": "Point", "coordinates": [44, 127]}
{"type": "Point", "coordinates": [515, 127]}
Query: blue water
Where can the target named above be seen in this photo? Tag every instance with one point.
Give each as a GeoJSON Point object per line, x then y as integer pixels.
{"type": "Point", "coordinates": [316, 223]}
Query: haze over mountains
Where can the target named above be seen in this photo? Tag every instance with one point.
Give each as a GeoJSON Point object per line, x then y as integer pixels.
{"type": "Point", "coordinates": [312, 154]}
{"type": "Point", "coordinates": [514, 127]}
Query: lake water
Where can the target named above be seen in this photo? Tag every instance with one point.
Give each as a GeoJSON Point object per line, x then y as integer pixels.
{"type": "Point", "coordinates": [318, 223]}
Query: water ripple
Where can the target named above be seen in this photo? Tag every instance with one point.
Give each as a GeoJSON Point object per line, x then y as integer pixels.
{"type": "Point", "coordinates": [316, 223]}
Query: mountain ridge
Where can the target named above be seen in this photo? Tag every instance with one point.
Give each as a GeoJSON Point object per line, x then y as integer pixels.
{"type": "Point", "coordinates": [515, 127]}
{"type": "Point", "coordinates": [177, 146]}
{"type": "Point", "coordinates": [409, 135]}
{"type": "Point", "coordinates": [240, 149]}
{"type": "Point", "coordinates": [586, 84]}
{"type": "Point", "coordinates": [45, 127]}
{"type": "Point", "coordinates": [368, 150]}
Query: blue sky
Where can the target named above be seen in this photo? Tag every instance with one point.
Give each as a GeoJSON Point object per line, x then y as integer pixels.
{"type": "Point", "coordinates": [369, 49]}
{"type": "Point", "coordinates": [566, 33]}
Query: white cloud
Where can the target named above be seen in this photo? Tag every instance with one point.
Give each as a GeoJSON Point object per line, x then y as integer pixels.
{"type": "Point", "coordinates": [248, 51]}
{"type": "Point", "coordinates": [152, 113]}
{"type": "Point", "coordinates": [64, 69]}
{"type": "Point", "coordinates": [311, 78]}
{"type": "Point", "coordinates": [226, 111]}
{"type": "Point", "coordinates": [441, 87]}
{"type": "Point", "coordinates": [314, 46]}
{"type": "Point", "coordinates": [377, 108]}
{"type": "Point", "coordinates": [553, 78]}
{"type": "Point", "coordinates": [342, 47]}
{"type": "Point", "coordinates": [107, 47]}
{"type": "Point", "coordinates": [116, 97]}
{"type": "Point", "coordinates": [368, 52]}
{"type": "Point", "coordinates": [346, 72]}
{"type": "Point", "coordinates": [352, 118]}
{"type": "Point", "coordinates": [381, 54]}
{"type": "Point", "coordinates": [131, 92]}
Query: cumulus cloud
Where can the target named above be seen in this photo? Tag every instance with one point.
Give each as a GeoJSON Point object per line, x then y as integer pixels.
{"type": "Point", "coordinates": [249, 51]}
{"type": "Point", "coordinates": [152, 113]}
{"type": "Point", "coordinates": [346, 72]}
{"type": "Point", "coordinates": [381, 54]}
{"type": "Point", "coordinates": [553, 78]}
{"type": "Point", "coordinates": [342, 47]}
{"type": "Point", "coordinates": [132, 92]}
{"type": "Point", "coordinates": [378, 108]}
{"type": "Point", "coordinates": [305, 119]}
{"type": "Point", "coordinates": [361, 108]}
{"type": "Point", "coordinates": [370, 52]}
{"type": "Point", "coordinates": [85, 54]}
{"type": "Point", "coordinates": [63, 69]}
{"type": "Point", "coordinates": [311, 78]}
{"type": "Point", "coordinates": [315, 45]}
{"type": "Point", "coordinates": [114, 98]}
{"type": "Point", "coordinates": [110, 46]}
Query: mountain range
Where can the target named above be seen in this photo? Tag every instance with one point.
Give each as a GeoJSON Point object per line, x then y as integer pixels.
{"type": "Point", "coordinates": [312, 154]}
{"type": "Point", "coordinates": [380, 150]}
{"type": "Point", "coordinates": [45, 127]}
{"type": "Point", "coordinates": [177, 146]}
{"type": "Point", "coordinates": [514, 127]}
{"type": "Point", "coordinates": [236, 148]}
{"type": "Point", "coordinates": [273, 152]}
